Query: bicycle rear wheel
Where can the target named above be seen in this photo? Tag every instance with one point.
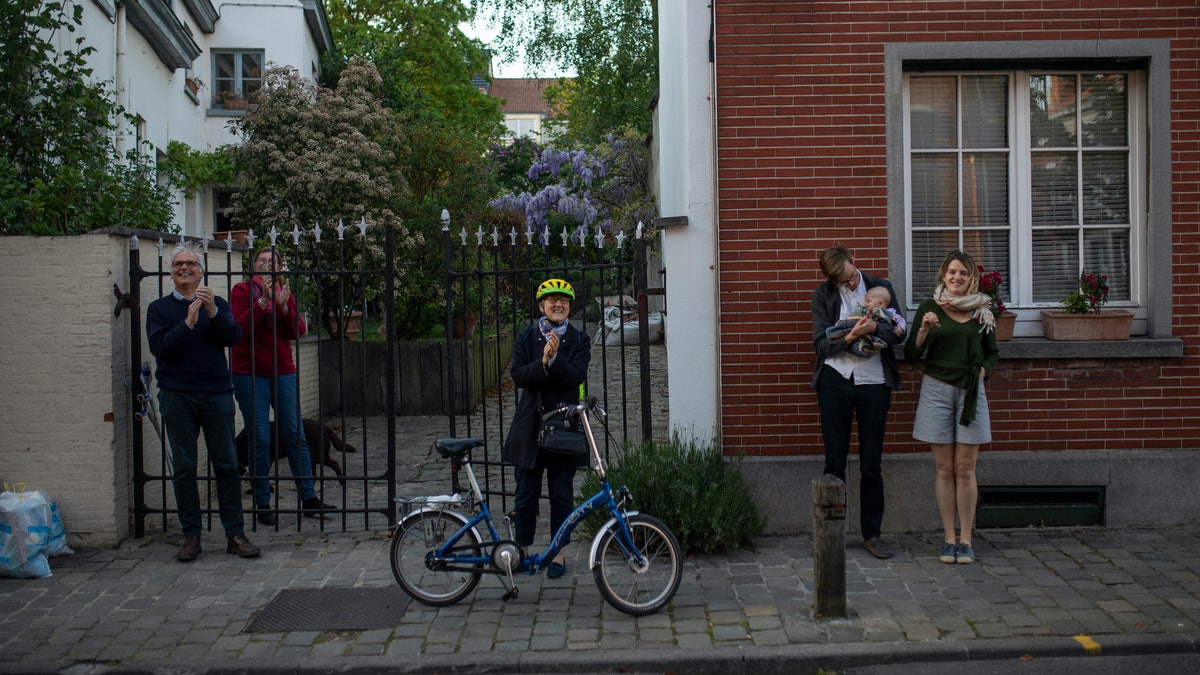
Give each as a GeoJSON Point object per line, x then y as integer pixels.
{"type": "Point", "coordinates": [415, 540]}
{"type": "Point", "coordinates": [639, 589]}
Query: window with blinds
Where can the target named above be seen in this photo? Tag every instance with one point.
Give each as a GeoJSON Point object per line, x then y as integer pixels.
{"type": "Point", "coordinates": [1030, 173]}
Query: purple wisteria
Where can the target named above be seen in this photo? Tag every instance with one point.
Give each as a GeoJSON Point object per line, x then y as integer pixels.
{"type": "Point", "coordinates": [604, 189]}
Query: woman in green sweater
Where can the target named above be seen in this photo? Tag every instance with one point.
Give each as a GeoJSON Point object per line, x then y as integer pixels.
{"type": "Point", "coordinates": [956, 338]}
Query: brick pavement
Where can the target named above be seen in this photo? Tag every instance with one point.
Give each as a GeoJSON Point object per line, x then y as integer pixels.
{"type": "Point", "coordinates": [134, 606]}
{"type": "Point", "coordinates": [1033, 592]}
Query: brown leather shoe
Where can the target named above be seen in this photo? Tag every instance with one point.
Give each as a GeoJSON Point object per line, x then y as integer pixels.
{"type": "Point", "coordinates": [878, 548]}
{"type": "Point", "coordinates": [190, 549]}
{"type": "Point", "coordinates": [240, 545]}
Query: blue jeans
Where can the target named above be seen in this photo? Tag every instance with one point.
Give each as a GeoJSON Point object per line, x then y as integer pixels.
{"type": "Point", "coordinates": [256, 395]}
{"type": "Point", "coordinates": [184, 414]}
{"type": "Point", "coordinates": [841, 403]}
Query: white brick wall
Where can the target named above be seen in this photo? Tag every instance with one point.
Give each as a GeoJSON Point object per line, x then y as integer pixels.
{"type": "Point", "coordinates": [64, 405]}
{"type": "Point", "coordinates": [55, 379]}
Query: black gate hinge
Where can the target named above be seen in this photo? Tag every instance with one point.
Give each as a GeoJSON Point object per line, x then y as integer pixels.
{"type": "Point", "coordinates": [124, 300]}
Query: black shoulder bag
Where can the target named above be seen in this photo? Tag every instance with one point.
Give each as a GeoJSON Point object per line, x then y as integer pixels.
{"type": "Point", "coordinates": [558, 435]}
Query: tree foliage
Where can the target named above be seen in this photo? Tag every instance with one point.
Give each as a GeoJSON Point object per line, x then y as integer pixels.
{"type": "Point", "coordinates": [426, 66]}
{"type": "Point", "coordinates": [61, 170]}
{"type": "Point", "coordinates": [611, 45]}
{"type": "Point", "coordinates": [193, 170]}
{"type": "Point", "coordinates": [317, 156]}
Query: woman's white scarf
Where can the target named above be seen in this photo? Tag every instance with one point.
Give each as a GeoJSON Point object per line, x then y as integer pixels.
{"type": "Point", "coordinates": [977, 305]}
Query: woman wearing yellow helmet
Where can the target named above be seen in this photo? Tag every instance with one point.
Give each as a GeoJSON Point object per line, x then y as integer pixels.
{"type": "Point", "coordinates": [550, 363]}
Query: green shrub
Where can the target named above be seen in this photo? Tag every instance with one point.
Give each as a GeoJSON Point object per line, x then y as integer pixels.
{"type": "Point", "coordinates": [692, 488]}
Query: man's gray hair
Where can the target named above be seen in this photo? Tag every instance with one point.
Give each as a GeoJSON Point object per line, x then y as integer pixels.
{"type": "Point", "coordinates": [189, 247]}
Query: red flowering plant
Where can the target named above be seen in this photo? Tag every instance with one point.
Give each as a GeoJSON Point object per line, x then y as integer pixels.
{"type": "Point", "coordinates": [1091, 296]}
{"type": "Point", "coordinates": [990, 284]}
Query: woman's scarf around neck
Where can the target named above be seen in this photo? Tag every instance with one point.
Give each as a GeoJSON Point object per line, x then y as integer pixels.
{"type": "Point", "coordinates": [977, 305]}
{"type": "Point", "coordinates": [545, 327]}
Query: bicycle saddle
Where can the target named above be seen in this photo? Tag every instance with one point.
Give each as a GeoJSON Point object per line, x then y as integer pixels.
{"type": "Point", "coordinates": [456, 448]}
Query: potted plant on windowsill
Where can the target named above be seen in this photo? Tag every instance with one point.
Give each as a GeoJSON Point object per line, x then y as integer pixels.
{"type": "Point", "coordinates": [990, 284]}
{"type": "Point", "coordinates": [232, 100]}
{"type": "Point", "coordinates": [1082, 317]}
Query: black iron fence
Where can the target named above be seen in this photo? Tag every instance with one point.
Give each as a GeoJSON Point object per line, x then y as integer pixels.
{"type": "Point", "coordinates": [491, 282]}
{"type": "Point", "coordinates": [354, 379]}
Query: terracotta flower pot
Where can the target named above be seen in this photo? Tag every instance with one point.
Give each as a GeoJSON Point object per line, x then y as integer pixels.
{"type": "Point", "coordinates": [1004, 326]}
{"type": "Point", "coordinates": [238, 236]}
{"type": "Point", "coordinates": [464, 326]}
{"type": "Point", "coordinates": [1113, 324]}
{"type": "Point", "coordinates": [353, 324]}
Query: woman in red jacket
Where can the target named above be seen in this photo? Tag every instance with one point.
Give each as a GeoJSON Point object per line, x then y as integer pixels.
{"type": "Point", "coordinates": [264, 377]}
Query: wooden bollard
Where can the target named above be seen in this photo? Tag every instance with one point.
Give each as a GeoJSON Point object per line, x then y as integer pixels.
{"type": "Point", "coordinates": [829, 547]}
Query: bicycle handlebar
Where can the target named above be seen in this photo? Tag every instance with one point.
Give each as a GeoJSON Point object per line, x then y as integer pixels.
{"type": "Point", "coordinates": [573, 410]}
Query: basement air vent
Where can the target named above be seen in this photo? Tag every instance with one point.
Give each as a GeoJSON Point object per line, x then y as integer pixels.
{"type": "Point", "coordinates": [1040, 506]}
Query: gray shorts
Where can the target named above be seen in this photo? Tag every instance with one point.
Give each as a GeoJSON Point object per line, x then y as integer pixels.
{"type": "Point", "coordinates": [938, 411]}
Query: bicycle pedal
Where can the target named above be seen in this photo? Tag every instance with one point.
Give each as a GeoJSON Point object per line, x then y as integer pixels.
{"type": "Point", "coordinates": [510, 594]}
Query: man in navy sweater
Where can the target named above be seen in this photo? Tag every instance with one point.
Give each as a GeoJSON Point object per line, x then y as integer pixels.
{"type": "Point", "coordinates": [189, 331]}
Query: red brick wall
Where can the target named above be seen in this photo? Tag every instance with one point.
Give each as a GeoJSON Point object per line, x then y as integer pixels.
{"type": "Point", "coordinates": [801, 163]}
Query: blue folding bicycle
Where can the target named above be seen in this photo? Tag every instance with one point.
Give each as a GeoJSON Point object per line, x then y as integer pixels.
{"type": "Point", "coordinates": [439, 553]}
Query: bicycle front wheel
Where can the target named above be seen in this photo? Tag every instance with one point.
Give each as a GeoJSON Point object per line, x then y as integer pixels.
{"type": "Point", "coordinates": [414, 542]}
{"type": "Point", "coordinates": [637, 588]}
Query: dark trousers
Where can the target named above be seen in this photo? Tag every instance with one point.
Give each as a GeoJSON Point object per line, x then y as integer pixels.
{"type": "Point", "coordinates": [841, 402]}
{"type": "Point", "coordinates": [561, 488]}
{"type": "Point", "coordinates": [184, 415]}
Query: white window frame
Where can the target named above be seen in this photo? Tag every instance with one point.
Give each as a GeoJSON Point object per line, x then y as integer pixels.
{"type": "Point", "coordinates": [1153, 256]}
{"type": "Point", "coordinates": [1019, 275]}
{"type": "Point", "coordinates": [519, 125]}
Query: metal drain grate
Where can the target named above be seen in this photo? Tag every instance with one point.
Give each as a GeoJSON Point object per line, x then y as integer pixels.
{"type": "Point", "coordinates": [324, 609]}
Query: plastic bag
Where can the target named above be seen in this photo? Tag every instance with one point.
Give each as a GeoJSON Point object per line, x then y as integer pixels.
{"type": "Point", "coordinates": [623, 326]}
{"type": "Point", "coordinates": [31, 530]}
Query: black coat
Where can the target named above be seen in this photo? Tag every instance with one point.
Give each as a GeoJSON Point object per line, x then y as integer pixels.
{"type": "Point", "coordinates": [826, 308]}
{"type": "Point", "coordinates": [560, 383]}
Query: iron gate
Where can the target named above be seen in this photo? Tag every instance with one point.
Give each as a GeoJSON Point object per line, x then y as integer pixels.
{"type": "Point", "coordinates": [493, 275]}
{"type": "Point", "coordinates": [357, 382]}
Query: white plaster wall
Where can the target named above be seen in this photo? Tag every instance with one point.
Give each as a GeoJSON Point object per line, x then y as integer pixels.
{"type": "Point", "coordinates": [684, 171]}
{"type": "Point", "coordinates": [146, 87]}
{"type": "Point", "coordinates": [242, 25]}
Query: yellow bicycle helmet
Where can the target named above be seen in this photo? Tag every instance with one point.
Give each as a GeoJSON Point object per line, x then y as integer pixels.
{"type": "Point", "coordinates": [555, 287]}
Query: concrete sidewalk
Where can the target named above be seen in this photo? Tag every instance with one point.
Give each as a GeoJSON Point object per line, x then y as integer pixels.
{"type": "Point", "coordinates": [1032, 592]}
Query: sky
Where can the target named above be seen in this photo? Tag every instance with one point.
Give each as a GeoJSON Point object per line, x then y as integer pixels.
{"type": "Point", "coordinates": [482, 30]}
